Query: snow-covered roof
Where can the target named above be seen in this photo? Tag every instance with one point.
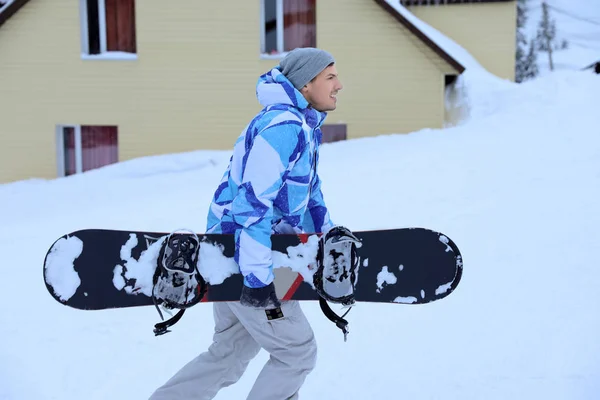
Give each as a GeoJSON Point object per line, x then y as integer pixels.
{"type": "Point", "coordinates": [4, 3]}
{"type": "Point", "coordinates": [446, 48]}
{"type": "Point", "coordinates": [9, 7]}
{"type": "Point", "coordinates": [442, 2]}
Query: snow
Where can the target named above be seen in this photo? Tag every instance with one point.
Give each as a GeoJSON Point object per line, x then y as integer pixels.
{"type": "Point", "coordinates": [212, 264]}
{"type": "Point", "coordinates": [515, 185]}
{"type": "Point", "coordinates": [4, 4]}
{"type": "Point", "coordinates": [142, 270]}
{"type": "Point", "coordinates": [443, 288]}
{"type": "Point", "coordinates": [60, 267]}
{"type": "Point", "coordinates": [221, 267]}
{"type": "Point", "coordinates": [407, 300]}
{"type": "Point", "coordinates": [296, 256]}
{"type": "Point", "coordinates": [517, 191]}
{"type": "Point", "coordinates": [578, 21]}
{"type": "Point", "coordinates": [455, 50]}
{"type": "Point", "coordinates": [474, 84]}
{"type": "Point", "coordinates": [385, 277]}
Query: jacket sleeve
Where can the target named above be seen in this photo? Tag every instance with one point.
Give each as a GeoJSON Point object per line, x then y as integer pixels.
{"type": "Point", "coordinates": [317, 218]}
{"type": "Point", "coordinates": [264, 164]}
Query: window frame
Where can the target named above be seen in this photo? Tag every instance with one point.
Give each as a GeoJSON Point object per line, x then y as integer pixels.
{"type": "Point", "coordinates": [60, 149]}
{"type": "Point", "coordinates": [279, 27]}
{"type": "Point", "coordinates": [279, 30]}
{"type": "Point", "coordinates": [85, 47]}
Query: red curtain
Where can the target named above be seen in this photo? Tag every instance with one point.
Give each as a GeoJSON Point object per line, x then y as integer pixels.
{"type": "Point", "coordinates": [69, 151]}
{"type": "Point", "coordinates": [300, 23]}
{"type": "Point", "coordinates": [120, 25]}
{"type": "Point", "coordinates": [99, 146]}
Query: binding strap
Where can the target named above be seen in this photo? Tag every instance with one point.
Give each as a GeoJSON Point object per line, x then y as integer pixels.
{"type": "Point", "coordinates": [340, 322]}
{"type": "Point", "coordinates": [162, 327]}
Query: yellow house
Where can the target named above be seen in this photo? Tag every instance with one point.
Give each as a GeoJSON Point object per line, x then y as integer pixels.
{"type": "Point", "coordinates": [88, 83]}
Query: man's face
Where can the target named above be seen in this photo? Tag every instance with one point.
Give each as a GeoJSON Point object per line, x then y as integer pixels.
{"type": "Point", "coordinates": [321, 92]}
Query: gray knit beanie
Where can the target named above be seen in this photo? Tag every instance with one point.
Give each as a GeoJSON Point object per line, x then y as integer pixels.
{"type": "Point", "coordinates": [302, 64]}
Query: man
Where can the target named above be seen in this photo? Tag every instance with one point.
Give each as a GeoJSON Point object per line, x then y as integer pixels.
{"type": "Point", "coordinates": [270, 186]}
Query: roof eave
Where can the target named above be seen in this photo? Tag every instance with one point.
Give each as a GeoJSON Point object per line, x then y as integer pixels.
{"type": "Point", "coordinates": [412, 3]}
{"type": "Point", "coordinates": [11, 9]}
{"type": "Point", "coordinates": [422, 36]}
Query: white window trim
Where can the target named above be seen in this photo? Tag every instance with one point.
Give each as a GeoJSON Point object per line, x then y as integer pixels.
{"type": "Point", "coordinates": [279, 31]}
{"type": "Point", "coordinates": [102, 25]}
{"type": "Point", "coordinates": [110, 55]}
{"type": "Point", "coordinates": [280, 26]}
{"type": "Point", "coordinates": [85, 47]}
{"type": "Point", "coordinates": [277, 56]}
{"type": "Point", "coordinates": [60, 149]}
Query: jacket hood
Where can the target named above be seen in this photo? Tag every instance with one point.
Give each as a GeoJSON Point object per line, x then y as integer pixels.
{"type": "Point", "coordinates": [274, 88]}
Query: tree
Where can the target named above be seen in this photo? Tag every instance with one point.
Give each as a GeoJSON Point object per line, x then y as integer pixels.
{"type": "Point", "coordinates": [526, 61]}
{"type": "Point", "coordinates": [521, 21]}
{"type": "Point", "coordinates": [546, 34]}
{"type": "Point", "coordinates": [531, 69]}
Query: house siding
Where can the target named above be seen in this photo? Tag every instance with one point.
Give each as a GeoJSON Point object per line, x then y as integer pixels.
{"type": "Point", "coordinates": [486, 30]}
{"type": "Point", "coordinates": [193, 84]}
{"type": "Point", "coordinates": [393, 82]}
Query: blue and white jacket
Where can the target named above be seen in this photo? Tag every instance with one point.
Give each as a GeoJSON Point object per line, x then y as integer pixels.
{"type": "Point", "coordinates": [271, 184]}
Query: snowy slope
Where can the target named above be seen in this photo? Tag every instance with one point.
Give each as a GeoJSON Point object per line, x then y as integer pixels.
{"type": "Point", "coordinates": [578, 21]}
{"type": "Point", "coordinates": [516, 188]}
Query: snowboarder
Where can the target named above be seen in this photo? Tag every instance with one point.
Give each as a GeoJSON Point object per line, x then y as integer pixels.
{"type": "Point", "coordinates": [270, 186]}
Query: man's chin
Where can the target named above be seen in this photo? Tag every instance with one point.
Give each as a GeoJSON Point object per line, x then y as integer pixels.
{"type": "Point", "coordinates": [326, 108]}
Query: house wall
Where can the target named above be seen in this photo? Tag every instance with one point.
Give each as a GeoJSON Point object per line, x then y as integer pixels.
{"type": "Point", "coordinates": [486, 30]}
{"type": "Point", "coordinates": [193, 84]}
{"type": "Point", "coordinates": [393, 82]}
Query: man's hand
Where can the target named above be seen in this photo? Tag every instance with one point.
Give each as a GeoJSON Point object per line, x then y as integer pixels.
{"type": "Point", "coordinates": [264, 297]}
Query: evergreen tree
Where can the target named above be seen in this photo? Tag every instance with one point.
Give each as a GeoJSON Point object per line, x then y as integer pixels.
{"type": "Point", "coordinates": [521, 21]}
{"type": "Point", "coordinates": [546, 34]}
{"type": "Point", "coordinates": [531, 69]}
{"type": "Point", "coordinates": [526, 61]}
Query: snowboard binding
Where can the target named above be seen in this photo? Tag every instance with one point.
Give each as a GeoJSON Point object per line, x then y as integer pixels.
{"type": "Point", "coordinates": [337, 273]}
{"type": "Point", "coordinates": [177, 283]}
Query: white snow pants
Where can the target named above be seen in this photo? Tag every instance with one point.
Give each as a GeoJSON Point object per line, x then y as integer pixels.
{"type": "Point", "coordinates": [240, 333]}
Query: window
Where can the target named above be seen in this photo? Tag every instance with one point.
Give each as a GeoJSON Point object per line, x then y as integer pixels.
{"type": "Point", "coordinates": [108, 28]}
{"type": "Point", "coordinates": [82, 148]}
{"type": "Point", "coordinates": [287, 24]}
{"type": "Point", "coordinates": [333, 132]}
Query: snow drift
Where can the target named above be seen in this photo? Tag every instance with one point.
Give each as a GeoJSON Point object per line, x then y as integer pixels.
{"type": "Point", "coordinates": [516, 187]}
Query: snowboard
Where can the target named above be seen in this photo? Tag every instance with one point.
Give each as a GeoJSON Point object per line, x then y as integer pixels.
{"type": "Point", "coordinates": [96, 269]}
